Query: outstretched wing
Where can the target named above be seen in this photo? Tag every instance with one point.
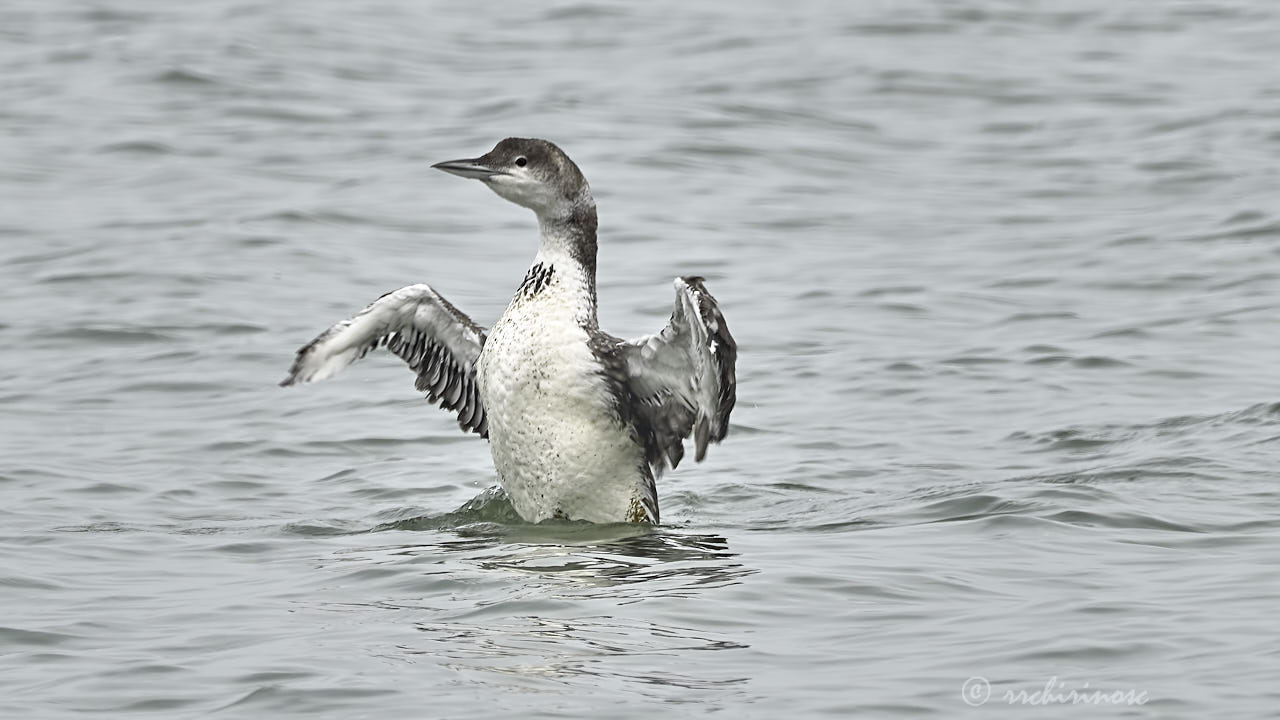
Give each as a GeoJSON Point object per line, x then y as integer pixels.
{"type": "Point", "coordinates": [438, 341]}
{"type": "Point", "coordinates": [682, 379]}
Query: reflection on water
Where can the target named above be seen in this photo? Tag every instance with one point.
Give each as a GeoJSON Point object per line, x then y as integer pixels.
{"type": "Point", "coordinates": [575, 648]}
{"type": "Point", "coordinates": [627, 560]}
{"type": "Point", "coordinates": [554, 603]}
{"type": "Point", "coordinates": [660, 559]}
{"type": "Point", "coordinates": [658, 562]}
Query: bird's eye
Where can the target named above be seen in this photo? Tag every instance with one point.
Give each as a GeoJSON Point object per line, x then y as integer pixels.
{"type": "Point", "coordinates": [521, 162]}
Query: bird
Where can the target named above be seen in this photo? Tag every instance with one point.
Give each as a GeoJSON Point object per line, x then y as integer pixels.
{"type": "Point", "coordinates": [580, 423]}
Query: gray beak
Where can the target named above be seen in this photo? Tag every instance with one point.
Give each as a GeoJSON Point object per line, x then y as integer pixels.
{"type": "Point", "coordinates": [473, 169]}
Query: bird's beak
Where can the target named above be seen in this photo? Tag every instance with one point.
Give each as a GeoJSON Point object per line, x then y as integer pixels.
{"type": "Point", "coordinates": [474, 169]}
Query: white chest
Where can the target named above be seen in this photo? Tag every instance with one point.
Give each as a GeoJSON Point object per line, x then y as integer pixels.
{"type": "Point", "coordinates": [557, 443]}
{"type": "Point", "coordinates": [538, 349]}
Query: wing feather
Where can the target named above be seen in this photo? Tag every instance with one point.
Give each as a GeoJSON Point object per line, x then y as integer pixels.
{"type": "Point", "coordinates": [438, 342]}
{"type": "Point", "coordinates": [683, 379]}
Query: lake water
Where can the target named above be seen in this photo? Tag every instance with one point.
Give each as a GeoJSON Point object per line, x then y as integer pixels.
{"type": "Point", "coordinates": [1006, 282]}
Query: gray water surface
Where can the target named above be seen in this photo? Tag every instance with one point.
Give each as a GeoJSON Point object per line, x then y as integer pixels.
{"type": "Point", "coordinates": [1006, 282]}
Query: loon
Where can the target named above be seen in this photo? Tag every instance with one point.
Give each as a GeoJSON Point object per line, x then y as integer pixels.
{"type": "Point", "coordinates": [580, 423]}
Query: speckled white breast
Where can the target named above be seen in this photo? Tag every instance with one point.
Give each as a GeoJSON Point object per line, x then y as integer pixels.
{"type": "Point", "coordinates": [557, 443]}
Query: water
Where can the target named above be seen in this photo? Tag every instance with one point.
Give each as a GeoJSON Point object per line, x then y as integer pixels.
{"type": "Point", "coordinates": [1004, 277]}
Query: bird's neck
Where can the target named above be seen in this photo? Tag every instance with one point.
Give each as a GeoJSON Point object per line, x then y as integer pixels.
{"type": "Point", "coordinates": [569, 244]}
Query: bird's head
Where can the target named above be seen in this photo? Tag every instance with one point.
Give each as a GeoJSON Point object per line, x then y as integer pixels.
{"type": "Point", "coordinates": [529, 172]}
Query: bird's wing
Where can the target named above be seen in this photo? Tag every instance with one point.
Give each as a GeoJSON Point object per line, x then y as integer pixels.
{"type": "Point", "coordinates": [439, 343]}
{"type": "Point", "coordinates": [682, 379]}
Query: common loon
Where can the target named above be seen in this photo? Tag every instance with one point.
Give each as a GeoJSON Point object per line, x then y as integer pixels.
{"type": "Point", "coordinates": [580, 423]}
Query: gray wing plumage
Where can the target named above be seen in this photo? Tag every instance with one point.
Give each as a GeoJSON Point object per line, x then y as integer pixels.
{"type": "Point", "coordinates": [682, 379]}
{"type": "Point", "coordinates": [439, 343]}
